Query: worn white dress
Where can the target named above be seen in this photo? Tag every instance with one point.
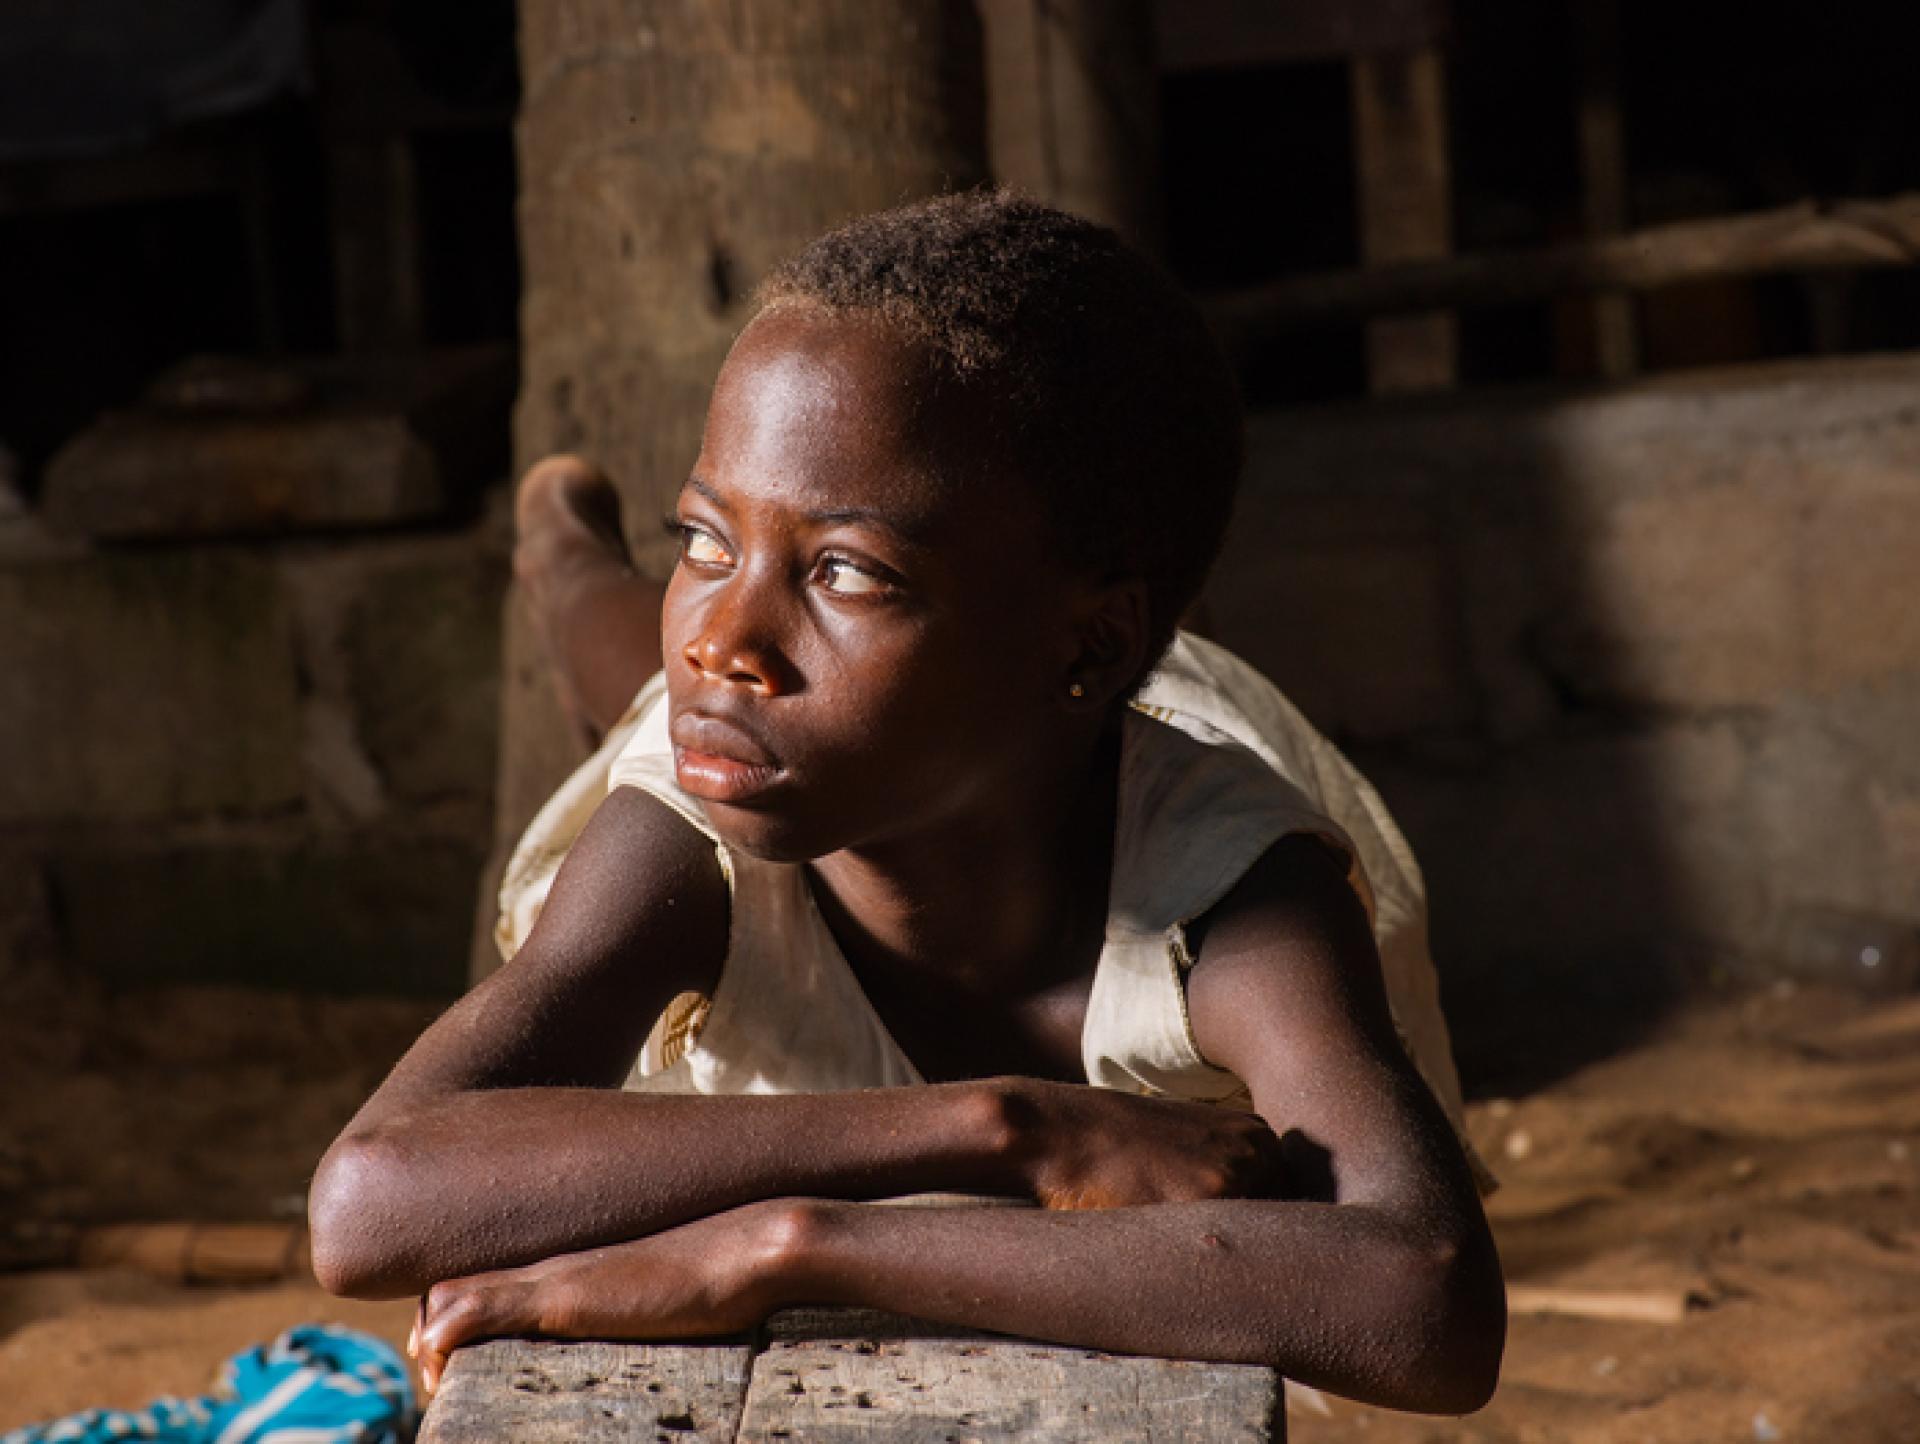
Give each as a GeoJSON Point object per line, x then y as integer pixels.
{"type": "Point", "coordinates": [1215, 767]}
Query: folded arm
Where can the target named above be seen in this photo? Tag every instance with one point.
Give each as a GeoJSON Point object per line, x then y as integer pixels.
{"type": "Point", "coordinates": [502, 1138]}
{"type": "Point", "coordinates": [1381, 1283]}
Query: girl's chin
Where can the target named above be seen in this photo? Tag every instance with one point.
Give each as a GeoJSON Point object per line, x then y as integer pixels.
{"type": "Point", "coordinates": [766, 836]}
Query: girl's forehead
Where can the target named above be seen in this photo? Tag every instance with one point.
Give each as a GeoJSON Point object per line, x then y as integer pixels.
{"type": "Point", "coordinates": [812, 364]}
{"type": "Point", "coordinates": [842, 404]}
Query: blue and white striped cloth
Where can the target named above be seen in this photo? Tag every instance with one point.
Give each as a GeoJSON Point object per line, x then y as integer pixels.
{"type": "Point", "coordinates": [316, 1384]}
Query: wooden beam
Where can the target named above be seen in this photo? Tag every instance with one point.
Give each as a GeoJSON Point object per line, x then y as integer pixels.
{"type": "Point", "coordinates": [1406, 207]}
{"type": "Point", "coordinates": [1232, 34]}
{"type": "Point", "coordinates": [83, 183]}
{"type": "Point", "coordinates": [1809, 236]}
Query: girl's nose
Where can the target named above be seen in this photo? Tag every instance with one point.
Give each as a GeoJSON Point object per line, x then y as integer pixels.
{"type": "Point", "coordinates": [732, 646]}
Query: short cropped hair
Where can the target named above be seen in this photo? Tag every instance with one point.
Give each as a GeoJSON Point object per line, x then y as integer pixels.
{"type": "Point", "coordinates": [1116, 402]}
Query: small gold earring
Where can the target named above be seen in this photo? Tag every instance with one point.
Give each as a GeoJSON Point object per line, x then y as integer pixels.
{"type": "Point", "coordinates": [1076, 690]}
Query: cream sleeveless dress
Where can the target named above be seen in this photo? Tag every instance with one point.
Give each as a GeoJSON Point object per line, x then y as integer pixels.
{"type": "Point", "coordinates": [1215, 767]}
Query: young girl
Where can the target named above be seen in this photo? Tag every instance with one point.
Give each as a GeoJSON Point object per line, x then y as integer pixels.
{"type": "Point", "coordinates": [908, 842]}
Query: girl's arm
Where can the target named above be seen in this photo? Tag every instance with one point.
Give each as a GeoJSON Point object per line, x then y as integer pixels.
{"type": "Point", "coordinates": [501, 1138]}
{"type": "Point", "coordinates": [1385, 1287]}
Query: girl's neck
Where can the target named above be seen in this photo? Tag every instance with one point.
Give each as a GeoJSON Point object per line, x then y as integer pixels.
{"type": "Point", "coordinates": [1010, 901]}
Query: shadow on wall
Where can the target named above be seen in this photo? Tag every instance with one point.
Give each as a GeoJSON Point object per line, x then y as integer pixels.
{"type": "Point", "coordinates": [1637, 669]}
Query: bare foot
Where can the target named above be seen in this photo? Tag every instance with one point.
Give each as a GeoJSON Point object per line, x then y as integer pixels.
{"type": "Point", "coordinates": [566, 518]}
{"type": "Point", "coordinates": [600, 621]}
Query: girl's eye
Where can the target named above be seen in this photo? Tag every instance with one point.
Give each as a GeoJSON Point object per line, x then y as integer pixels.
{"type": "Point", "coordinates": [840, 575]}
{"type": "Point", "coordinates": [701, 547]}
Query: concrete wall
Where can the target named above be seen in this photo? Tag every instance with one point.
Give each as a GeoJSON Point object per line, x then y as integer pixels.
{"type": "Point", "coordinates": [1638, 669]}
{"type": "Point", "coordinates": [262, 757]}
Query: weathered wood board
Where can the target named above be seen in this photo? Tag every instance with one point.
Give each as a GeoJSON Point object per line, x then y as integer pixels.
{"type": "Point", "coordinates": [548, 1393]}
{"type": "Point", "coordinates": [946, 1391]}
{"type": "Point", "coordinates": [845, 1378]}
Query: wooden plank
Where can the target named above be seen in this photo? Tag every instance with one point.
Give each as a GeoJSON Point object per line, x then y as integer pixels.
{"type": "Point", "coordinates": [515, 1390]}
{"type": "Point", "coordinates": [1406, 208]}
{"type": "Point", "coordinates": [1638, 1306]}
{"type": "Point", "coordinates": [821, 1381]}
{"type": "Point", "coordinates": [1808, 236]}
{"type": "Point", "coordinates": [1222, 34]}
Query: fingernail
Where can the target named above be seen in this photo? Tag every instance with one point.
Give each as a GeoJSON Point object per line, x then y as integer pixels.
{"type": "Point", "coordinates": [413, 1341]}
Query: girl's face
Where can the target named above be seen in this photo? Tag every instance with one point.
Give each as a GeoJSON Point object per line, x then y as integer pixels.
{"type": "Point", "coordinates": [867, 635]}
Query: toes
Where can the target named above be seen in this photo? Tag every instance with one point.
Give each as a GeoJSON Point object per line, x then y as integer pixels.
{"type": "Point", "coordinates": [567, 528]}
{"type": "Point", "coordinates": [550, 480]}
{"type": "Point", "coordinates": [570, 493]}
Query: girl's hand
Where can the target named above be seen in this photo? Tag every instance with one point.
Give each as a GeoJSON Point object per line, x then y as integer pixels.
{"type": "Point", "coordinates": [1087, 1147]}
{"type": "Point", "coordinates": [717, 1275]}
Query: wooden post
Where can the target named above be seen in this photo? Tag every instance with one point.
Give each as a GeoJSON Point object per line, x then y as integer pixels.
{"type": "Point", "coordinates": [1406, 212]}
{"type": "Point", "coordinates": [1603, 176]}
{"type": "Point", "coordinates": [1073, 113]}
{"type": "Point", "coordinates": [670, 152]}
{"type": "Point", "coordinates": [372, 199]}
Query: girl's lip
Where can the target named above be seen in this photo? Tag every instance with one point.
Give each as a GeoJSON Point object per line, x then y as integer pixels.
{"type": "Point", "coordinates": [718, 760]}
{"type": "Point", "coordinates": [719, 738]}
{"type": "Point", "coordinates": [722, 779]}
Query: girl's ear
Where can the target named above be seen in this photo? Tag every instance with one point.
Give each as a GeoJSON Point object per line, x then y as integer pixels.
{"type": "Point", "coordinates": [1110, 645]}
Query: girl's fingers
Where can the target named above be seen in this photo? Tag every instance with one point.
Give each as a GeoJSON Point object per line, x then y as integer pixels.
{"type": "Point", "coordinates": [464, 1312]}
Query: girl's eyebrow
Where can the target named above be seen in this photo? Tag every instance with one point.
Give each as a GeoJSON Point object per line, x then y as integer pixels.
{"type": "Point", "coordinates": [909, 532]}
{"type": "Point", "coordinates": [699, 483]}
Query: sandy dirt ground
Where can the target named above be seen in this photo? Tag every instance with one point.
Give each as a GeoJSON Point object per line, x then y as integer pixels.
{"type": "Point", "coordinates": [1758, 1155]}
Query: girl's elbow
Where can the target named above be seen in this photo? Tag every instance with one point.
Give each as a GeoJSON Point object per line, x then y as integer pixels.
{"type": "Point", "coordinates": [348, 1209]}
{"type": "Point", "coordinates": [1467, 1368]}
{"type": "Point", "coordinates": [1465, 1309]}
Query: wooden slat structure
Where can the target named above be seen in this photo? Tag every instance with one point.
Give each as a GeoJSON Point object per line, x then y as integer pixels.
{"type": "Point", "coordinates": [1807, 236]}
{"type": "Point", "coordinates": [820, 1375]}
{"type": "Point", "coordinates": [1394, 52]}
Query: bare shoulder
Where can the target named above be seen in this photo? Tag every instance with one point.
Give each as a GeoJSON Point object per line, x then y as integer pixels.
{"type": "Point", "coordinates": [1291, 931]}
{"type": "Point", "coordinates": [1286, 993]}
{"type": "Point", "coordinates": [638, 914]}
{"type": "Point", "coordinates": [639, 876]}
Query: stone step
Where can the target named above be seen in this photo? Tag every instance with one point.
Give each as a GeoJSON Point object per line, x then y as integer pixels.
{"type": "Point", "coordinates": [221, 447]}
